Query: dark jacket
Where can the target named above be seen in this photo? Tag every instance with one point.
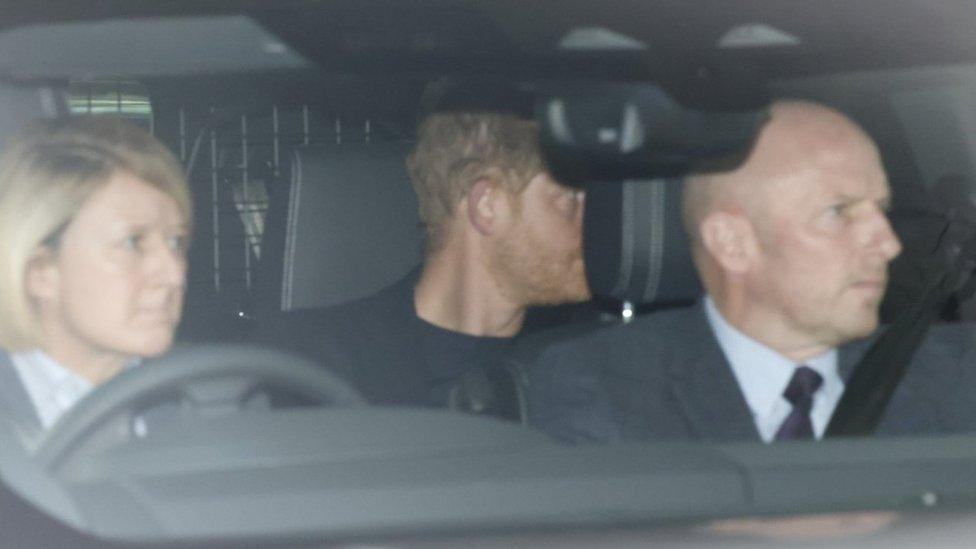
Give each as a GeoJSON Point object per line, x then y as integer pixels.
{"type": "Point", "coordinates": [665, 377]}
{"type": "Point", "coordinates": [16, 408]}
{"type": "Point", "coordinates": [372, 342]}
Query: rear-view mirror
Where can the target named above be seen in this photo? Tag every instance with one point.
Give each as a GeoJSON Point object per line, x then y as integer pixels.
{"type": "Point", "coordinates": [612, 132]}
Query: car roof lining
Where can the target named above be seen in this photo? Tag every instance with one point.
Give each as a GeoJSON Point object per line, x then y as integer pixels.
{"type": "Point", "coordinates": [142, 47]}
{"type": "Point", "coordinates": [482, 36]}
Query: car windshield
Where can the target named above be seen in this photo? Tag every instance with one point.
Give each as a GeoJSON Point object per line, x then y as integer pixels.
{"type": "Point", "coordinates": [507, 273]}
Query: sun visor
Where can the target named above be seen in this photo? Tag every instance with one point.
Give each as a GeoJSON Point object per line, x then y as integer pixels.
{"type": "Point", "coordinates": [613, 132]}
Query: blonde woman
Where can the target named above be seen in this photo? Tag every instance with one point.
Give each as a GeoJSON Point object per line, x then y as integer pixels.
{"type": "Point", "coordinates": [94, 221]}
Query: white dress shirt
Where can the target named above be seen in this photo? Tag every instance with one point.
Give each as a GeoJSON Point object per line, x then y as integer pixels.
{"type": "Point", "coordinates": [53, 389]}
{"type": "Point", "coordinates": [763, 375]}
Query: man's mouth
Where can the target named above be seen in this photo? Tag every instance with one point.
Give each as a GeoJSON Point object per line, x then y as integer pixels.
{"type": "Point", "coordinates": [872, 285]}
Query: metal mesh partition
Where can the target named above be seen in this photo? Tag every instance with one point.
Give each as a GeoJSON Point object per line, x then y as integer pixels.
{"type": "Point", "coordinates": [237, 166]}
{"type": "Point", "coordinates": [241, 164]}
{"type": "Point", "coordinates": [237, 161]}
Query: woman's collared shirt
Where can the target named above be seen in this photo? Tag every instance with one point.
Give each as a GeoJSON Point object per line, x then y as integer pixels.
{"type": "Point", "coordinates": [53, 389]}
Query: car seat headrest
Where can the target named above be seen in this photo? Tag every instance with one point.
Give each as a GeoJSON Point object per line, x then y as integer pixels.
{"type": "Point", "coordinates": [25, 103]}
{"type": "Point", "coordinates": [352, 223]}
{"type": "Point", "coordinates": [635, 246]}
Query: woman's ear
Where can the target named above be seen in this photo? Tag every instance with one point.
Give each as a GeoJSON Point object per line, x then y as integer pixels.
{"type": "Point", "coordinates": [43, 276]}
{"type": "Point", "coordinates": [729, 239]}
{"type": "Point", "coordinates": [481, 204]}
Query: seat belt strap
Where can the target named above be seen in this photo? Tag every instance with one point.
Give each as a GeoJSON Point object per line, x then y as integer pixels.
{"type": "Point", "coordinates": [882, 368]}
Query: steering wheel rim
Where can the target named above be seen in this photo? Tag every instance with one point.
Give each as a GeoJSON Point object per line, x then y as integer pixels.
{"type": "Point", "coordinates": [180, 368]}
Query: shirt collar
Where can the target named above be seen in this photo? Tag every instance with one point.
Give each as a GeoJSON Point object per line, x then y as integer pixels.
{"type": "Point", "coordinates": [761, 372]}
{"type": "Point", "coordinates": [53, 389]}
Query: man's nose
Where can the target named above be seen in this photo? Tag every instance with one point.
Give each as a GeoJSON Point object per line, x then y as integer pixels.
{"type": "Point", "coordinates": [883, 237]}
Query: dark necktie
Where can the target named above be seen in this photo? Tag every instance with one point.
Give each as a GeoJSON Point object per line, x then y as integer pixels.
{"type": "Point", "coordinates": [799, 392]}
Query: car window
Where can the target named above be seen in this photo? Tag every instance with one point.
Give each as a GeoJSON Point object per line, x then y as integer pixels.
{"type": "Point", "coordinates": [128, 99]}
{"type": "Point", "coordinates": [293, 125]}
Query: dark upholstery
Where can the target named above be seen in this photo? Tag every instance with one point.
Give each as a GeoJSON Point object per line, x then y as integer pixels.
{"type": "Point", "coordinates": [351, 225]}
{"type": "Point", "coordinates": [635, 246]}
{"type": "Point", "coordinates": [23, 103]}
{"type": "Point", "coordinates": [635, 251]}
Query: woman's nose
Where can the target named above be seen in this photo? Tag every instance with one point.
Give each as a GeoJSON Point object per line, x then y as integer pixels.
{"type": "Point", "coordinates": [169, 265]}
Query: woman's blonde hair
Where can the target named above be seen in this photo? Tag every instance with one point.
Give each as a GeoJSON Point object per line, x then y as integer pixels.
{"type": "Point", "coordinates": [46, 174]}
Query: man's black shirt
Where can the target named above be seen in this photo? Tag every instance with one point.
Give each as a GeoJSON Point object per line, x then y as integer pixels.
{"type": "Point", "coordinates": [450, 355]}
{"type": "Point", "coordinates": [393, 357]}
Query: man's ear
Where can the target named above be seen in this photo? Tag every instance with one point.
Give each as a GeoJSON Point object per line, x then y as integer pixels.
{"type": "Point", "coordinates": [43, 276]}
{"type": "Point", "coordinates": [730, 239]}
{"type": "Point", "coordinates": [481, 205]}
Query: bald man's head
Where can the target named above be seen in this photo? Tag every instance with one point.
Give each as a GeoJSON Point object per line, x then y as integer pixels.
{"type": "Point", "coordinates": [795, 130]}
{"type": "Point", "coordinates": [794, 243]}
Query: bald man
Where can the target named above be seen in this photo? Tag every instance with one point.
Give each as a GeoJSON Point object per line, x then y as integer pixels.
{"type": "Point", "coordinates": [792, 248]}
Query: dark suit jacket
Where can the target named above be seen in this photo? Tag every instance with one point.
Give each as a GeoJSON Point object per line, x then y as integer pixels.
{"type": "Point", "coordinates": [16, 408]}
{"type": "Point", "coordinates": [664, 377]}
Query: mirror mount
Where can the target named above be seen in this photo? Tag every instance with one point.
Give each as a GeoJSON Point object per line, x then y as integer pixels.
{"type": "Point", "coordinates": [593, 132]}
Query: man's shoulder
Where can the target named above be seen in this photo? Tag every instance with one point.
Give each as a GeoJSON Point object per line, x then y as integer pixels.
{"type": "Point", "coordinates": [389, 305]}
{"type": "Point", "coordinates": [342, 333]}
{"type": "Point", "coordinates": [673, 327]}
{"type": "Point", "coordinates": [597, 385]}
{"type": "Point", "coordinates": [367, 341]}
{"type": "Point", "coordinates": [946, 348]}
{"type": "Point", "coordinates": [640, 347]}
{"type": "Point", "coordinates": [952, 334]}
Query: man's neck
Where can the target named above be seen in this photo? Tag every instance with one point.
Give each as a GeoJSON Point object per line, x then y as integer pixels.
{"type": "Point", "coordinates": [773, 334]}
{"type": "Point", "coordinates": [461, 296]}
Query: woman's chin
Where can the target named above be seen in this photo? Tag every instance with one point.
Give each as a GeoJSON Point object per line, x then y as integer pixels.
{"type": "Point", "coordinates": [152, 346]}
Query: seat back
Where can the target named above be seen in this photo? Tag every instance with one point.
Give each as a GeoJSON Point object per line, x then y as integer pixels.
{"type": "Point", "coordinates": [635, 246]}
{"type": "Point", "coordinates": [351, 225]}
{"type": "Point", "coordinates": [636, 253]}
{"type": "Point", "coordinates": [20, 104]}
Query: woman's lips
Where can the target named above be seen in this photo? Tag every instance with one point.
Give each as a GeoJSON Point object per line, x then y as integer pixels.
{"type": "Point", "coordinates": [157, 317]}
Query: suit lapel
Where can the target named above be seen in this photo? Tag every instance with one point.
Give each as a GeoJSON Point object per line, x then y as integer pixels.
{"type": "Point", "coordinates": [704, 389]}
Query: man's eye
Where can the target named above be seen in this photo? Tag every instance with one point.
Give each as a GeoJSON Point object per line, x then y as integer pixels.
{"type": "Point", "coordinates": [178, 242]}
{"type": "Point", "coordinates": [132, 242]}
{"type": "Point", "coordinates": [573, 197]}
{"type": "Point", "coordinates": [837, 210]}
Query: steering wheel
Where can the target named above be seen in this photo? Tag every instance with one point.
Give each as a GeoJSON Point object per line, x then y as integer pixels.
{"type": "Point", "coordinates": [201, 375]}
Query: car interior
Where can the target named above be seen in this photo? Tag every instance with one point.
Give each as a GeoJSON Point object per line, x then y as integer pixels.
{"type": "Point", "coordinates": [293, 120]}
